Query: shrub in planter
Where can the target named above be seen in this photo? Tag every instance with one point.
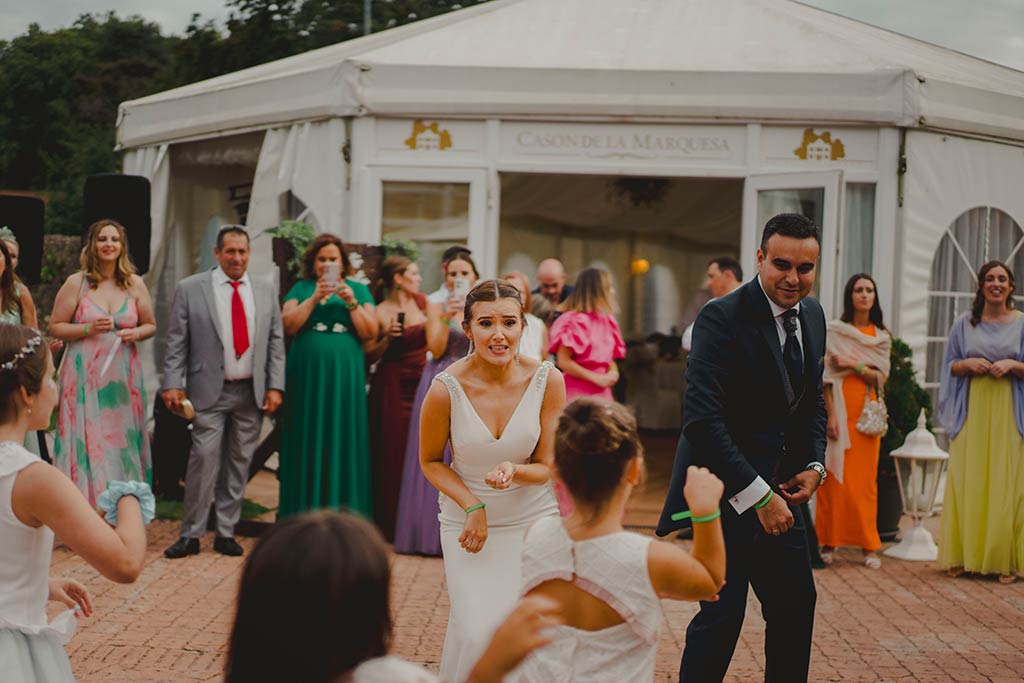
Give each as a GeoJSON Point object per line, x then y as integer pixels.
{"type": "Point", "coordinates": [904, 398]}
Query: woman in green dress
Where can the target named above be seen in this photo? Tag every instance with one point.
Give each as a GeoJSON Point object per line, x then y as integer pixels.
{"type": "Point", "coordinates": [325, 454]}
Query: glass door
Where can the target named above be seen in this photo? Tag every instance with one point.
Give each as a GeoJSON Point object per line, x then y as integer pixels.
{"type": "Point", "coordinates": [815, 195]}
{"type": "Point", "coordinates": [434, 208]}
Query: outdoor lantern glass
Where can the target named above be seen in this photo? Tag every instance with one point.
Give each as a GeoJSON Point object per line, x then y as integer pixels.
{"type": "Point", "coordinates": [919, 466]}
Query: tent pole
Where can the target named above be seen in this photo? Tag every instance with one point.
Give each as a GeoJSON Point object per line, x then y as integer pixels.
{"type": "Point", "coordinates": [367, 23]}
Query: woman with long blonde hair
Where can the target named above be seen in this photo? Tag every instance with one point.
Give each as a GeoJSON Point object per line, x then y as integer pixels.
{"type": "Point", "coordinates": [101, 312]}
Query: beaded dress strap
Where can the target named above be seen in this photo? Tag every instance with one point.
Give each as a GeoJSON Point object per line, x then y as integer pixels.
{"type": "Point", "coordinates": [450, 382]}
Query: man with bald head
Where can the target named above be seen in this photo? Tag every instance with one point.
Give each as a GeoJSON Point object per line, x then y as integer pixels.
{"type": "Point", "coordinates": [552, 290]}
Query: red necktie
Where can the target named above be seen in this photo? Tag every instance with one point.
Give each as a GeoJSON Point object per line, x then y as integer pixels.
{"type": "Point", "coordinates": [239, 328]}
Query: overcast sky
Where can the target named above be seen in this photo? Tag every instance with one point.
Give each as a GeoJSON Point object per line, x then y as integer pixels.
{"type": "Point", "coordinates": [990, 29]}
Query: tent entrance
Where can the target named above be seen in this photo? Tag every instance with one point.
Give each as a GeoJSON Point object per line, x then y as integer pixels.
{"type": "Point", "coordinates": [654, 236]}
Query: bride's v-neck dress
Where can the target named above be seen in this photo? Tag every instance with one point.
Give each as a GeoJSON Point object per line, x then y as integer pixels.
{"type": "Point", "coordinates": [483, 588]}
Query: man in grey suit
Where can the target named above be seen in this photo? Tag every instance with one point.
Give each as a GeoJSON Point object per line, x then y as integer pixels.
{"type": "Point", "coordinates": [225, 347]}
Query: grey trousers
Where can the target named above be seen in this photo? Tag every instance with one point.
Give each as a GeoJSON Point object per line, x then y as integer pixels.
{"type": "Point", "coordinates": [224, 437]}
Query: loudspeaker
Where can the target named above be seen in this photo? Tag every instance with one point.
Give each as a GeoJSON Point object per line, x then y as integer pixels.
{"type": "Point", "coordinates": [125, 199]}
{"type": "Point", "coordinates": [24, 214]}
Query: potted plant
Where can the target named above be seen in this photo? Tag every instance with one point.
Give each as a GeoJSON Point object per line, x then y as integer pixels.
{"type": "Point", "coordinates": [904, 398]}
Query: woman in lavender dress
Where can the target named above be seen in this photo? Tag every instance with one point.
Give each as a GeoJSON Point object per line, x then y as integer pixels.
{"type": "Point", "coordinates": [418, 531]}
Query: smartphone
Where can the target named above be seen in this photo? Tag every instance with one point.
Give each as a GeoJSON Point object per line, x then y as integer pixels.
{"type": "Point", "coordinates": [401, 321]}
{"type": "Point", "coordinates": [332, 272]}
{"type": "Point", "coordinates": [460, 288]}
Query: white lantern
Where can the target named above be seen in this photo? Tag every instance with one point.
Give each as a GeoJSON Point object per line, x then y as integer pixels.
{"type": "Point", "coordinates": [919, 466]}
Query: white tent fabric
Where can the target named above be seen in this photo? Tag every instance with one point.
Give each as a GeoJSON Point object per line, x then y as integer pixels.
{"type": "Point", "coordinates": [763, 60]}
{"type": "Point", "coordinates": [153, 163]}
{"type": "Point", "coordinates": [946, 176]}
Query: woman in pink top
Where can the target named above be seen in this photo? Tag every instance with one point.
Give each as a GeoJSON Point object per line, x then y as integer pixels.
{"type": "Point", "coordinates": [586, 338]}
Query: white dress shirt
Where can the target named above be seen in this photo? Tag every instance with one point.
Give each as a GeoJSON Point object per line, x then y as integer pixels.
{"type": "Point", "coordinates": [235, 368]}
{"type": "Point", "coordinates": [759, 488]}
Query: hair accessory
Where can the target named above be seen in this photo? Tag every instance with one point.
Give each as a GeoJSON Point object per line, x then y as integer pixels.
{"type": "Point", "coordinates": [107, 501]}
{"type": "Point", "coordinates": [29, 348]}
{"type": "Point", "coordinates": [7, 235]}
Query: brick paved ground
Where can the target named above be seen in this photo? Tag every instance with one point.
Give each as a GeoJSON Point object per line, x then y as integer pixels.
{"type": "Point", "coordinates": [906, 622]}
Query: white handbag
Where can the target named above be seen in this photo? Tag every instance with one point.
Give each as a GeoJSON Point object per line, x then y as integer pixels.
{"type": "Point", "coordinates": [874, 418]}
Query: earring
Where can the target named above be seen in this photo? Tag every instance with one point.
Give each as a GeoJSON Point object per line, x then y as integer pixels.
{"type": "Point", "coordinates": [519, 348]}
{"type": "Point", "coordinates": [29, 411]}
{"type": "Point", "coordinates": [470, 352]}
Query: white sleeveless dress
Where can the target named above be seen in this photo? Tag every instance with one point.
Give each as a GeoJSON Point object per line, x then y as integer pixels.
{"type": "Point", "coordinates": [31, 649]}
{"type": "Point", "coordinates": [612, 568]}
{"type": "Point", "coordinates": [483, 588]}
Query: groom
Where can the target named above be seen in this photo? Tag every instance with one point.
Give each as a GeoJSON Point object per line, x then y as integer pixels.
{"type": "Point", "coordinates": [755, 416]}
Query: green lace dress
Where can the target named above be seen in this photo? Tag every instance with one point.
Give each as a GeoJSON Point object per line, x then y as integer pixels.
{"type": "Point", "coordinates": [325, 452]}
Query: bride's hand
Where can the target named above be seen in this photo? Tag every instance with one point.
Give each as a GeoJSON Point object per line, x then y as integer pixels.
{"type": "Point", "coordinates": [474, 531]}
{"type": "Point", "coordinates": [501, 476]}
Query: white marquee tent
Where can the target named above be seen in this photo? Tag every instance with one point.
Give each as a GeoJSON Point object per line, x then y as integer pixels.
{"type": "Point", "coordinates": [910, 154]}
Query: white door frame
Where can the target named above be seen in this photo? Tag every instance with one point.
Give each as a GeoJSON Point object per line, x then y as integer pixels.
{"type": "Point", "coordinates": [832, 212]}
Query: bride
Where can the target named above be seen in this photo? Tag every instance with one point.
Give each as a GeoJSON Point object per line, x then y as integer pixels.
{"type": "Point", "coordinates": [500, 412]}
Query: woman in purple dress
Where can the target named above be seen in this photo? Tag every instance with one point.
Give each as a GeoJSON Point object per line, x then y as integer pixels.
{"type": "Point", "coordinates": [417, 530]}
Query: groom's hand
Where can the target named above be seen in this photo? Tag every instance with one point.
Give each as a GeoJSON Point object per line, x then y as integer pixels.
{"type": "Point", "coordinates": [776, 517]}
{"type": "Point", "coordinates": [800, 488]}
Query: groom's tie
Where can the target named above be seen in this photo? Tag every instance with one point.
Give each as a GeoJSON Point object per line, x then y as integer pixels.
{"type": "Point", "coordinates": [792, 355]}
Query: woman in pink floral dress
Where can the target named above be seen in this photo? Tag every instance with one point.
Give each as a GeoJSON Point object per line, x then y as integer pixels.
{"type": "Point", "coordinates": [101, 312]}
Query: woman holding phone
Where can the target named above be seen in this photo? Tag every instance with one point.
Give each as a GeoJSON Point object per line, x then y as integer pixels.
{"type": "Point", "coordinates": [325, 454]}
{"type": "Point", "coordinates": [401, 347]}
{"type": "Point", "coordinates": [417, 530]}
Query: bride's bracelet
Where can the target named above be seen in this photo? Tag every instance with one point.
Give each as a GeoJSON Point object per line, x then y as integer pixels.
{"type": "Point", "coordinates": [474, 508]}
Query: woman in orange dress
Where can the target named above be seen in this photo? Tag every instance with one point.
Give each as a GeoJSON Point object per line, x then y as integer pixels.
{"type": "Point", "coordinates": [858, 362]}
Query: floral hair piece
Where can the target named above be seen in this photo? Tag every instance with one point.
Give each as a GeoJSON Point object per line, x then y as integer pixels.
{"type": "Point", "coordinates": [7, 235]}
{"type": "Point", "coordinates": [29, 348]}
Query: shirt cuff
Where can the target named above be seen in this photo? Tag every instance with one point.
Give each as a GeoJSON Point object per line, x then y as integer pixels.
{"type": "Point", "coordinates": [750, 496]}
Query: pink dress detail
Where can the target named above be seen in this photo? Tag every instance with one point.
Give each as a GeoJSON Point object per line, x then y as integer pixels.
{"type": "Point", "coordinates": [595, 342]}
{"type": "Point", "coordinates": [101, 424]}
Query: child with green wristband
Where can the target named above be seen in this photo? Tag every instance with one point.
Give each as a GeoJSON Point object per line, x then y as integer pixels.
{"type": "Point", "coordinates": [608, 581]}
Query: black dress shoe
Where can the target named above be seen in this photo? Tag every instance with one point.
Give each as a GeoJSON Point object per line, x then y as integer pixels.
{"type": "Point", "coordinates": [227, 546]}
{"type": "Point", "coordinates": [182, 547]}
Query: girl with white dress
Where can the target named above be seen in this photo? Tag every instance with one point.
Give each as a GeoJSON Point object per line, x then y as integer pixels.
{"type": "Point", "coordinates": [36, 501]}
{"type": "Point", "coordinates": [499, 410]}
{"type": "Point", "coordinates": [314, 606]}
{"type": "Point", "coordinates": [609, 582]}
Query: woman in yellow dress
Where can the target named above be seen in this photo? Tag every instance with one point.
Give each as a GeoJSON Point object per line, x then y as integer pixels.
{"type": "Point", "coordinates": [981, 406]}
{"type": "Point", "coordinates": [858, 362]}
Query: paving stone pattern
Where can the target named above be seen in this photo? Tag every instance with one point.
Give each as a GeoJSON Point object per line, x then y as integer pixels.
{"type": "Point", "coordinates": [906, 622]}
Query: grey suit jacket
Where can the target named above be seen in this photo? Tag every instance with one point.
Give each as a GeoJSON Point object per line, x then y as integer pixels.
{"type": "Point", "coordinates": [194, 359]}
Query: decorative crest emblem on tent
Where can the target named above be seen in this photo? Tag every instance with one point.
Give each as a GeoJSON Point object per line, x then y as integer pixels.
{"type": "Point", "coordinates": [820, 147]}
{"type": "Point", "coordinates": [428, 136]}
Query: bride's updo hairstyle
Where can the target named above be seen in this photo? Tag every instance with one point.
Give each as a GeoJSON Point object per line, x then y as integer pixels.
{"type": "Point", "coordinates": [22, 364]}
{"type": "Point", "coordinates": [595, 441]}
{"type": "Point", "coordinates": [492, 290]}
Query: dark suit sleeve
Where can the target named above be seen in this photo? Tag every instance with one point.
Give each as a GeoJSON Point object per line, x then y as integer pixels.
{"type": "Point", "coordinates": [275, 351]}
{"type": "Point", "coordinates": [176, 352]}
{"type": "Point", "coordinates": [707, 376]}
{"type": "Point", "coordinates": [819, 421]}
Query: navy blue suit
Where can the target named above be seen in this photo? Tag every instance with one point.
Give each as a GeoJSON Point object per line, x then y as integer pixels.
{"type": "Point", "coordinates": [742, 420]}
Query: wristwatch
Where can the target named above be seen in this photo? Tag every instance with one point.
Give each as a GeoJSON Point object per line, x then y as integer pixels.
{"type": "Point", "coordinates": [820, 469]}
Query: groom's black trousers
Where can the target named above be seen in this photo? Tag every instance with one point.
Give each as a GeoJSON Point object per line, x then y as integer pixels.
{"type": "Point", "coordinates": [778, 568]}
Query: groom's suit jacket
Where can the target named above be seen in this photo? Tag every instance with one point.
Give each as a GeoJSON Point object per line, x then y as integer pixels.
{"type": "Point", "coordinates": [741, 418]}
{"type": "Point", "coordinates": [194, 359]}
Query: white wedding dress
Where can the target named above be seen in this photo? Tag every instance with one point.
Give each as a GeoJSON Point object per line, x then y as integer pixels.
{"type": "Point", "coordinates": [483, 588]}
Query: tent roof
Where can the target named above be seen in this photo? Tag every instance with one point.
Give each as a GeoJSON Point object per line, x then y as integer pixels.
{"type": "Point", "coordinates": [673, 60]}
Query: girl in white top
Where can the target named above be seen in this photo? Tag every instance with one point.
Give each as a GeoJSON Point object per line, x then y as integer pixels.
{"type": "Point", "coordinates": [608, 582]}
{"type": "Point", "coordinates": [498, 410]}
{"type": "Point", "coordinates": [314, 606]}
{"type": "Point", "coordinates": [36, 500]}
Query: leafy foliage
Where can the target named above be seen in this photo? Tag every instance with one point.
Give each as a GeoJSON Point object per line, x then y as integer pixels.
{"type": "Point", "coordinates": [394, 246]}
{"type": "Point", "coordinates": [299, 234]}
{"type": "Point", "coordinates": [62, 88]}
{"type": "Point", "coordinates": [904, 398]}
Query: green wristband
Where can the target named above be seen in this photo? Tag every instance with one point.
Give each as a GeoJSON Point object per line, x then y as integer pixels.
{"type": "Point", "coordinates": [765, 501]}
{"type": "Point", "coordinates": [86, 330]}
{"type": "Point", "coordinates": [474, 508]}
{"type": "Point", "coordinates": [686, 514]}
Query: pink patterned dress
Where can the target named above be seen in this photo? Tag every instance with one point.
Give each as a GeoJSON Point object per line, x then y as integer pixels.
{"type": "Point", "coordinates": [101, 425]}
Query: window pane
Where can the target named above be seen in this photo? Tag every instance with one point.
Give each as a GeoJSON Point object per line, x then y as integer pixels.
{"type": "Point", "coordinates": [858, 229]}
{"type": "Point", "coordinates": [433, 215]}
